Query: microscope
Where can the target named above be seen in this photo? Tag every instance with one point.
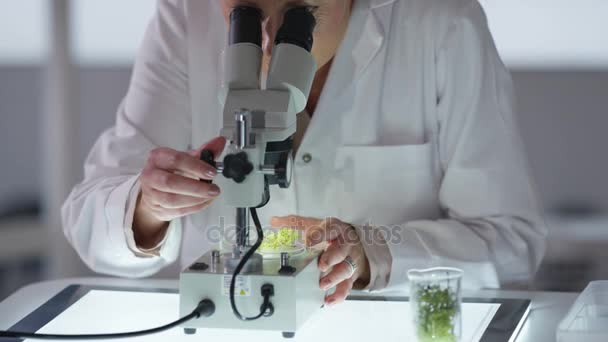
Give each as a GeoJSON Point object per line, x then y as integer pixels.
{"type": "Point", "coordinates": [250, 291]}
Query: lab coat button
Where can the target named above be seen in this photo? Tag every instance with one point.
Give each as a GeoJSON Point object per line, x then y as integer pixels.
{"type": "Point", "coordinates": [307, 158]}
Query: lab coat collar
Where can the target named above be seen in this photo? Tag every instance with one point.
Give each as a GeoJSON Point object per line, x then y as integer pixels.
{"type": "Point", "coordinates": [380, 3]}
{"type": "Point", "coordinates": [363, 42]}
{"type": "Point", "coordinates": [368, 45]}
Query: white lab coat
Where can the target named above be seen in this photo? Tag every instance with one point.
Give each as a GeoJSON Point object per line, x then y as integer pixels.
{"type": "Point", "coordinates": [414, 134]}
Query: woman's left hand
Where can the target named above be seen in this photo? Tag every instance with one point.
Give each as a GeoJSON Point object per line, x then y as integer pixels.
{"type": "Point", "coordinates": [343, 243]}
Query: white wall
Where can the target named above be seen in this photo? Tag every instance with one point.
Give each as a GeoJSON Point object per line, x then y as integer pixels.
{"type": "Point", "coordinates": [98, 43]}
{"type": "Point", "coordinates": [22, 27]}
{"type": "Point", "coordinates": [529, 33]}
{"type": "Point", "coordinates": [541, 34]}
{"type": "Point", "coordinates": [105, 31]}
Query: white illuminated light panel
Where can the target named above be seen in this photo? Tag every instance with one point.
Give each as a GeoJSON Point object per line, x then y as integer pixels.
{"type": "Point", "coordinates": [112, 311]}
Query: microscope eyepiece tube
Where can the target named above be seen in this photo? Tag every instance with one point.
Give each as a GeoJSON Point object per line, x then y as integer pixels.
{"type": "Point", "coordinates": [243, 55]}
{"type": "Point", "coordinates": [297, 29]}
{"type": "Point", "coordinates": [246, 26]}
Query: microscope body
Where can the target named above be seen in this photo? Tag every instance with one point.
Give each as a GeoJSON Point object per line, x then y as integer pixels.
{"type": "Point", "coordinates": [259, 125]}
{"type": "Point", "coordinates": [296, 296]}
{"type": "Point", "coordinates": [269, 115]}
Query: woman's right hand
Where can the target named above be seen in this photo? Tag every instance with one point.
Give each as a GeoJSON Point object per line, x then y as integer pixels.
{"type": "Point", "coordinates": [171, 188]}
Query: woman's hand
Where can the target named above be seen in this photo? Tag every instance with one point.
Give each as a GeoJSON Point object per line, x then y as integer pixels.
{"type": "Point", "coordinates": [171, 188]}
{"type": "Point", "coordinates": [342, 242]}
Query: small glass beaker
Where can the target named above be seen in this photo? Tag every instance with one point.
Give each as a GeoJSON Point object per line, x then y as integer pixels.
{"type": "Point", "coordinates": [435, 303]}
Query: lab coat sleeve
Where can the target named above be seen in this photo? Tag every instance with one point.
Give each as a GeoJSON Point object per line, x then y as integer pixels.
{"type": "Point", "coordinates": [378, 257]}
{"type": "Point", "coordinates": [128, 225]}
{"type": "Point", "coordinates": [493, 228]}
{"type": "Point", "coordinates": [154, 113]}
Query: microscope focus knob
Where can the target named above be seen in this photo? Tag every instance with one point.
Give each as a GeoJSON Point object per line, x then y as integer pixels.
{"type": "Point", "coordinates": [208, 157]}
{"type": "Point", "coordinates": [237, 167]}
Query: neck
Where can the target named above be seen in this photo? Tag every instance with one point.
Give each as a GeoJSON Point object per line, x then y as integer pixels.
{"type": "Point", "coordinates": [317, 87]}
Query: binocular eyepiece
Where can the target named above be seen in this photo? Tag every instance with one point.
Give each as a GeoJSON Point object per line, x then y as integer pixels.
{"type": "Point", "coordinates": [297, 29]}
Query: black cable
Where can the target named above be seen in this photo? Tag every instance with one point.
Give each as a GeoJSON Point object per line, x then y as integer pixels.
{"type": "Point", "coordinates": [266, 305]}
{"type": "Point", "coordinates": [205, 308]}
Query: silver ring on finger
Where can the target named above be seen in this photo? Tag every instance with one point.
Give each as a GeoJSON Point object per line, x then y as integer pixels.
{"type": "Point", "coordinates": [353, 265]}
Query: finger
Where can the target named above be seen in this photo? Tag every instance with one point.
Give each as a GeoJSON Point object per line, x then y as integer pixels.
{"type": "Point", "coordinates": [171, 160]}
{"type": "Point", "coordinates": [317, 231]}
{"type": "Point", "coordinates": [311, 227]}
{"type": "Point", "coordinates": [330, 230]}
{"type": "Point", "coordinates": [165, 214]}
{"type": "Point", "coordinates": [335, 254]}
{"type": "Point", "coordinates": [338, 274]}
{"type": "Point", "coordinates": [215, 145]}
{"type": "Point", "coordinates": [169, 182]}
{"type": "Point", "coordinates": [295, 222]}
{"type": "Point", "coordinates": [173, 201]}
{"type": "Point", "coordinates": [187, 174]}
{"type": "Point", "coordinates": [342, 291]}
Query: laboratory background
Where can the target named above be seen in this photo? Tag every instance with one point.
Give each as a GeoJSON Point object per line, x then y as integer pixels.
{"type": "Point", "coordinates": [65, 66]}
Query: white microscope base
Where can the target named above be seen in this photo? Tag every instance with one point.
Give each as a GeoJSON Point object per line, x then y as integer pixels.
{"type": "Point", "coordinates": [296, 296]}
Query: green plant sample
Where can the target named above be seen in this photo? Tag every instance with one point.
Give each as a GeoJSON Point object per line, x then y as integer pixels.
{"type": "Point", "coordinates": [436, 313]}
{"type": "Point", "coordinates": [285, 238]}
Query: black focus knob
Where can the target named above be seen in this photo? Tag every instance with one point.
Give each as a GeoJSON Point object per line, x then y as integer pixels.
{"type": "Point", "coordinates": [208, 157]}
{"type": "Point", "coordinates": [237, 167]}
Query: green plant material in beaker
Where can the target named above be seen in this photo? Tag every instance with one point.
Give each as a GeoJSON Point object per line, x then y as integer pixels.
{"type": "Point", "coordinates": [437, 310]}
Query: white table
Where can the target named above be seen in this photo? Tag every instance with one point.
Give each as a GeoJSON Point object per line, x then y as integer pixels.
{"type": "Point", "coordinates": [548, 308]}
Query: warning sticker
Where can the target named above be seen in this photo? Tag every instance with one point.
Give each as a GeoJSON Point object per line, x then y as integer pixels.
{"type": "Point", "coordinates": [242, 287]}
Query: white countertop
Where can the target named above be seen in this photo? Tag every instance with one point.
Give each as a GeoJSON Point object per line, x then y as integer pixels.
{"type": "Point", "coordinates": [548, 308]}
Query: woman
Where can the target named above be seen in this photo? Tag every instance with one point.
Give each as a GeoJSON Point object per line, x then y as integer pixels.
{"type": "Point", "coordinates": [408, 144]}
